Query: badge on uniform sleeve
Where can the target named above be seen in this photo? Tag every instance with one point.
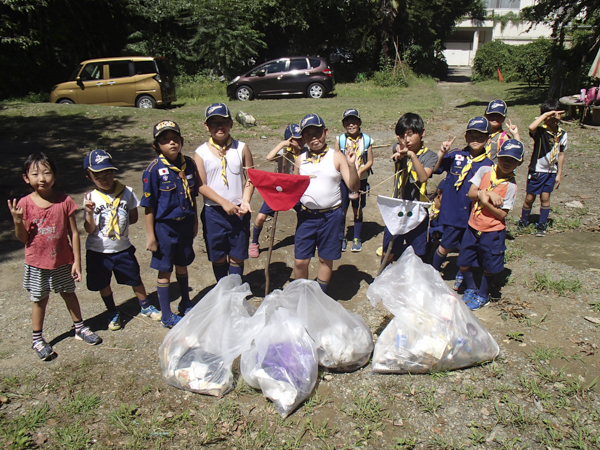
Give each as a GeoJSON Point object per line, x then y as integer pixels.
{"type": "Point", "coordinates": [163, 171]}
{"type": "Point", "coordinates": [459, 158]}
{"type": "Point", "coordinates": [146, 194]}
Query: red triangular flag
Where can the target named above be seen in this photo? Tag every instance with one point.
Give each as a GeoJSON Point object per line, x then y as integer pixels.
{"type": "Point", "coordinates": [281, 191]}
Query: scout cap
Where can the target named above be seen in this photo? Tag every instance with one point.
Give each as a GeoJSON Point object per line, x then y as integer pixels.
{"type": "Point", "coordinates": [165, 125]}
{"type": "Point", "coordinates": [217, 109]}
{"type": "Point", "coordinates": [312, 120]}
{"type": "Point", "coordinates": [292, 131]}
{"type": "Point", "coordinates": [351, 113]}
{"type": "Point", "coordinates": [480, 124]}
{"type": "Point", "coordinates": [512, 149]}
{"type": "Point", "coordinates": [97, 161]}
{"type": "Point", "coordinates": [496, 107]}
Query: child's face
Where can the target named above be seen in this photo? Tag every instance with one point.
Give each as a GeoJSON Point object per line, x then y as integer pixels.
{"type": "Point", "coordinates": [414, 141]}
{"type": "Point", "coordinates": [315, 137]}
{"type": "Point", "coordinates": [219, 127]}
{"type": "Point", "coordinates": [554, 119]}
{"type": "Point", "coordinates": [496, 120]}
{"type": "Point", "coordinates": [40, 177]}
{"type": "Point", "coordinates": [476, 140]}
{"type": "Point", "coordinates": [170, 143]}
{"type": "Point", "coordinates": [297, 144]}
{"type": "Point", "coordinates": [507, 164]}
{"type": "Point", "coordinates": [352, 125]}
{"type": "Point", "coordinates": [104, 180]}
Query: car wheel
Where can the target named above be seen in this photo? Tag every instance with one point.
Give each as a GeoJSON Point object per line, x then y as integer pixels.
{"type": "Point", "coordinates": [316, 90]}
{"type": "Point", "coordinates": [65, 101]}
{"type": "Point", "coordinates": [243, 93]}
{"type": "Point", "coordinates": [146, 102]}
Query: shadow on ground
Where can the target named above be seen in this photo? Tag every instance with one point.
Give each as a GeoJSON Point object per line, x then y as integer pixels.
{"type": "Point", "coordinates": [521, 95]}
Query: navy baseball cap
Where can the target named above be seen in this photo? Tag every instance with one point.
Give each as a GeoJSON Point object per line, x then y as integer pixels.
{"type": "Point", "coordinates": [512, 149]}
{"type": "Point", "coordinates": [351, 113]}
{"type": "Point", "coordinates": [312, 120]}
{"type": "Point", "coordinates": [217, 109]}
{"type": "Point", "coordinates": [480, 124]}
{"type": "Point", "coordinates": [165, 125]}
{"type": "Point", "coordinates": [97, 161]}
{"type": "Point", "coordinates": [496, 107]}
{"type": "Point", "coordinates": [292, 131]}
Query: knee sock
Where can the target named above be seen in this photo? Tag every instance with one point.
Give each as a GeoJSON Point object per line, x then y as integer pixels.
{"type": "Point", "coordinates": [37, 337]}
{"type": "Point", "coordinates": [544, 212]}
{"type": "Point", "coordinates": [438, 260]}
{"type": "Point", "coordinates": [486, 283]}
{"type": "Point", "coordinates": [525, 214]}
{"type": "Point", "coordinates": [256, 234]}
{"type": "Point", "coordinates": [322, 284]}
{"type": "Point", "coordinates": [468, 279]}
{"type": "Point", "coordinates": [236, 268]}
{"type": "Point", "coordinates": [162, 290]}
{"type": "Point", "coordinates": [144, 303]}
{"type": "Point", "coordinates": [184, 289]}
{"type": "Point", "coordinates": [109, 302]}
{"type": "Point", "coordinates": [220, 269]}
{"type": "Point", "coordinates": [78, 325]}
{"type": "Point", "coordinates": [358, 227]}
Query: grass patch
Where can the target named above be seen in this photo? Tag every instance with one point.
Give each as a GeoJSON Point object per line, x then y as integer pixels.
{"type": "Point", "coordinates": [17, 433]}
{"type": "Point", "coordinates": [562, 286]}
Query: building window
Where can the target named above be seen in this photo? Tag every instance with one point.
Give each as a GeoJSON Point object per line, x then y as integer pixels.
{"type": "Point", "coordinates": [504, 4]}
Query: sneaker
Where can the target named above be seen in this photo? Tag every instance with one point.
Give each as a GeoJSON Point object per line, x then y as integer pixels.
{"type": "Point", "coordinates": [344, 245]}
{"type": "Point", "coordinates": [379, 251]}
{"type": "Point", "coordinates": [151, 312]}
{"type": "Point", "coordinates": [522, 225]}
{"type": "Point", "coordinates": [114, 323]}
{"type": "Point", "coordinates": [183, 311]}
{"type": "Point", "coordinates": [253, 251]}
{"type": "Point", "coordinates": [540, 230]}
{"type": "Point", "coordinates": [468, 295]}
{"type": "Point", "coordinates": [88, 336]}
{"type": "Point", "coordinates": [356, 245]}
{"type": "Point", "coordinates": [43, 350]}
{"type": "Point", "coordinates": [477, 301]}
{"type": "Point", "coordinates": [458, 281]}
{"type": "Point", "coordinates": [173, 320]}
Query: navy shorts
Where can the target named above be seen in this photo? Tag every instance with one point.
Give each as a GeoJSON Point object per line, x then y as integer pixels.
{"type": "Point", "coordinates": [452, 237]}
{"type": "Point", "coordinates": [345, 192]}
{"type": "Point", "coordinates": [484, 249]}
{"type": "Point", "coordinates": [175, 244]}
{"type": "Point", "coordinates": [416, 237]}
{"type": "Point", "coordinates": [266, 210]}
{"type": "Point", "coordinates": [323, 230]}
{"type": "Point", "coordinates": [539, 182]}
{"type": "Point", "coordinates": [224, 234]}
{"type": "Point", "coordinates": [100, 267]}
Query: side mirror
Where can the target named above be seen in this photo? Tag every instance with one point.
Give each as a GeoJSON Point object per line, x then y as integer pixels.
{"type": "Point", "coordinates": [261, 73]}
{"type": "Point", "coordinates": [79, 82]}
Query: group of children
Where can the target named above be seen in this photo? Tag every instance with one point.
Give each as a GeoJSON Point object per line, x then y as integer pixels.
{"type": "Point", "coordinates": [478, 192]}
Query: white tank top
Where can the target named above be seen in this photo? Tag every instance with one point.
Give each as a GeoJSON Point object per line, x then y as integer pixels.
{"type": "Point", "coordinates": [235, 173]}
{"type": "Point", "coordinates": [323, 190]}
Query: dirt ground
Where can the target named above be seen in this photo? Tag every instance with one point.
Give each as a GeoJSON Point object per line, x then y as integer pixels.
{"type": "Point", "coordinates": [540, 394]}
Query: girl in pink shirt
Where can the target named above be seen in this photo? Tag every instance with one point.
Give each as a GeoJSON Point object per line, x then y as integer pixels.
{"type": "Point", "coordinates": [44, 221]}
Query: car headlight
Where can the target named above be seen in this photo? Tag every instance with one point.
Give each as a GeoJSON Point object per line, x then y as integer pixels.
{"type": "Point", "coordinates": [234, 80]}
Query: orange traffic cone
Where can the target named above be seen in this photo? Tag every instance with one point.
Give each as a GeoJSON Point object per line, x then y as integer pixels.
{"type": "Point", "coordinates": [500, 77]}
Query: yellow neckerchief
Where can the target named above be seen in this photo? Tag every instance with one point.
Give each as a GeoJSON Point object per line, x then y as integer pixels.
{"type": "Point", "coordinates": [433, 211]}
{"type": "Point", "coordinates": [404, 176]}
{"type": "Point", "coordinates": [493, 183]}
{"type": "Point", "coordinates": [465, 170]}
{"type": "Point", "coordinates": [555, 145]}
{"type": "Point", "coordinates": [113, 220]}
{"type": "Point", "coordinates": [222, 155]}
{"type": "Point", "coordinates": [315, 158]}
{"type": "Point", "coordinates": [181, 172]}
{"type": "Point", "coordinates": [354, 146]}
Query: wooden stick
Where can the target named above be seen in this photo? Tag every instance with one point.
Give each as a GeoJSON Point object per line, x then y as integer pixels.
{"type": "Point", "coordinates": [267, 280]}
{"type": "Point", "coordinates": [386, 256]}
{"type": "Point", "coordinates": [135, 317]}
{"type": "Point", "coordinates": [115, 348]}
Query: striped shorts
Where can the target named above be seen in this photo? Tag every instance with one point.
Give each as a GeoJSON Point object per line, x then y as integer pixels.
{"type": "Point", "coordinates": [40, 282]}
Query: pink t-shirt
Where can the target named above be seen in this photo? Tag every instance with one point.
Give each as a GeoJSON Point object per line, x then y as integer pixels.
{"type": "Point", "coordinates": [48, 246]}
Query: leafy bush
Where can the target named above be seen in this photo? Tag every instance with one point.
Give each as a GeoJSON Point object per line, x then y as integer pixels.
{"type": "Point", "coordinates": [489, 58]}
{"type": "Point", "coordinates": [198, 86]}
{"type": "Point", "coordinates": [385, 76]}
{"type": "Point", "coordinates": [533, 61]}
{"type": "Point", "coordinates": [428, 61]}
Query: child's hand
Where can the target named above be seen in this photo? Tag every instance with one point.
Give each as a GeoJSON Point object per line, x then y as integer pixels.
{"type": "Point", "coordinates": [447, 145]}
{"type": "Point", "coordinates": [230, 208]}
{"type": "Point", "coordinates": [76, 272]}
{"type": "Point", "coordinates": [152, 245]}
{"type": "Point", "coordinates": [88, 204]}
{"type": "Point", "coordinates": [196, 227]}
{"type": "Point", "coordinates": [514, 130]}
{"type": "Point", "coordinates": [16, 211]}
{"type": "Point", "coordinates": [495, 199]}
{"type": "Point", "coordinates": [244, 208]}
{"type": "Point", "coordinates": [558, 177]}
{"type": "Point", "coordinates": [400, 153]}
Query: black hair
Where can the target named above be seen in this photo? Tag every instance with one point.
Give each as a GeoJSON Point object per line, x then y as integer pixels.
{"type": "Point", "coordinates": [550, 105]}
{"type": "Point", "coordinates": [410, 121]}
{"type": "Point", "coordinates": [35, 159]}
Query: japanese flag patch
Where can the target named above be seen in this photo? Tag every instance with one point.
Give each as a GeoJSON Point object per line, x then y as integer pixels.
{"type": "Point", "coordinates": [163, 171]}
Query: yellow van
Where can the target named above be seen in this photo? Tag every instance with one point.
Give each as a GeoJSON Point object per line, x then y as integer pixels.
{"type": "Point", "coordinates": [140, 81]}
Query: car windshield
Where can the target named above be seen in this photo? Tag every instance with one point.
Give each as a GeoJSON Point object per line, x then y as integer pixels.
{"type": "Point", "coordinates": [73, 76]}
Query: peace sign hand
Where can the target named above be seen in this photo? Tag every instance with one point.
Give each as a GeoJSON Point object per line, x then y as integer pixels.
{"type": "Point", "coordinates": [88, 204]}
{"type": "Point", "coordinates": [15, 210]}
{"type": "Point", "coordinates": [447, 145]}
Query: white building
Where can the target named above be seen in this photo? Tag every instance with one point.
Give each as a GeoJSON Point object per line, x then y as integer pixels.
{"type": "Point", "coordinates": [462, 45]}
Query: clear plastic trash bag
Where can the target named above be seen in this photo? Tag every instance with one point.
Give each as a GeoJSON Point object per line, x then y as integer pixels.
{"type": "Point", "coordinates": [432, 330]}
{"type": "Point", "coordinates": [282, 361]}
{"type": "Point", "coordinates": [343, 340]}
{"type": "Point", "coordinates": [197, 354]}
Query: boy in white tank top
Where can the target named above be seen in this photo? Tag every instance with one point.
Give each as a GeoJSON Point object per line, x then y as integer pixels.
{"type": "Point", "coordinates": [320, 216]}
{"type": "Point", "coordinates": [226, 215]}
